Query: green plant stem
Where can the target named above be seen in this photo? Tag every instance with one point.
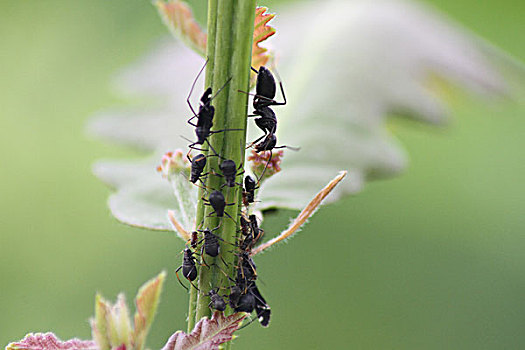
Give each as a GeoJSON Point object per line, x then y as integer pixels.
{"type": "Point", "coordinates": [210, 49]}
{"type": "Point", "coordinates": [230, 33]}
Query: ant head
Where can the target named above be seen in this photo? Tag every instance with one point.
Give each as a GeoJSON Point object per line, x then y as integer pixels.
{"type": "Point", "coordinates": [249, 183]}
{"type": "Point", "coordinates": [206, 96]}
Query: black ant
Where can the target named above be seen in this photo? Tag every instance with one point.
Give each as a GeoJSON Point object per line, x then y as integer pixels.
{"type": "Point", "coordinates": [265, 90]}
{"type": "Point", "coordinates": [251, 232]}
{"type": "Point", "coordinates": [189, 270]}
{"type": "Point", "coordinates": [268, 144]}
{"type": "Point", "coordinates": [246, 272]}
{"type": "Point", "coordinates": [218, 203]}
{"type": "Point", "coordinates": [217, 301]}
{"type": "Point", "coordinates": [206, 113]}
{"type": "Point", "coordinates": [249, 301]}
{"type": "Point", "coordinates": [248, 195]}
{"type": "Point", "coordinates": [229, 171]}
{"type": "Point", "coordinates": [211, 243]}
{"type": "Point", "coordinates": [197, 167]}
{"type": "Point", "coordinates": [245, 226]}
{"type": "Point", "coordinates": [256, 231]}
{"type": "Point", "coordinates": [246, 303]}
{"type": "Point", "coordinates": [240, 299]}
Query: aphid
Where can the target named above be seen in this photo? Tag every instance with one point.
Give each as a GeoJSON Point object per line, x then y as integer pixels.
{"type": "Point", "coordinates": [189, 270]}
{"type": "Point", "coordinates": [217, 301]}
{"type": "Point", "coordinates": [249, 190]}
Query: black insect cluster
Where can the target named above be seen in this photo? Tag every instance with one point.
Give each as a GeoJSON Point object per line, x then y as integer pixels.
{"type": "Point", "coordinates": [242, 295]}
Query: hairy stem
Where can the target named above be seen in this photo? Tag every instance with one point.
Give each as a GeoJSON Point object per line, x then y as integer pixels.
{"type": "Point", "coordinates": [230, 32]}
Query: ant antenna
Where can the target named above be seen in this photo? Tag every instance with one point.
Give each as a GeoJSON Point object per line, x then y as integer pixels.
{"type": "Point", "coordinates": [218, 91]}
{"type": "Point", "coordinates": [193, 85]}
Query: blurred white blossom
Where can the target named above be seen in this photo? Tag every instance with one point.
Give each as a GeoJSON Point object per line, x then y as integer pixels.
{"type": "Point", "coordinates": [345, 65]}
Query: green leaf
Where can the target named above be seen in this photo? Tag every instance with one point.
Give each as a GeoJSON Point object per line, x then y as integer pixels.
{"type": "Point", "coordinates": [100, 324]}
{"type": "Point", "coordinates": [143, 197]}
{"type": "Point", "coordinates": [111, 327]}
{"type": "Point", "coordinates": [147, 301]}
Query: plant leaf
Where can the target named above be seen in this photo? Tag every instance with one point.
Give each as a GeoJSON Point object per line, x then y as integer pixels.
{"type": "Point", "coordinates": [100, 324]}
{"type": "Point", "coordinates": [147, 301]}
{"type": "Point", "coordinates": [207, 334]}
{"type": "Point", "coordinates": [359, 62]}
{"type": "Point", "coordinates": [261, 32]}
{"type": "Point", "coordinates": [143, 197]}
{"type": "Point", "coordinates": [178, 17]}
{"type": "Point", "coordinates": [49, 341]}
{"type": "Point", "coordinates": [111, 327]}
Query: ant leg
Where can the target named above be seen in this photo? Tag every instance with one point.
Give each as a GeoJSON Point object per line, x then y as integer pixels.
{"type": "Point", "coordinates": [217, 131]}
{"type": "Point", "coordinates": [177, 274]}
{"type": "Point", "coordinates": [213, 149]}
{"type": "Point", "coordinates": [254, 70]}
{"type": "Point", "coordinates": [202, 256]}
{"type": "Point", "coordinates": [235, 222]}
{"type": "Point", "coordinates": [247, 324]}
{"type": "Point", "coordinates": [282, 90]}
{"type": "Point", "coordinates": [192, 146]}
{"type": "Point", "coordinates": [272, 101]}
{"type": "Point", "coordinates": [265, 167]}
{"type": "Point", "coordinates": [259, 139]}
{"type": "Point", "coordinates": [189, 121]}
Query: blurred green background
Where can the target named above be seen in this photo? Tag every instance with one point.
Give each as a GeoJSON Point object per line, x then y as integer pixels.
{"type": "Point", "coordinates": [433, 259]}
